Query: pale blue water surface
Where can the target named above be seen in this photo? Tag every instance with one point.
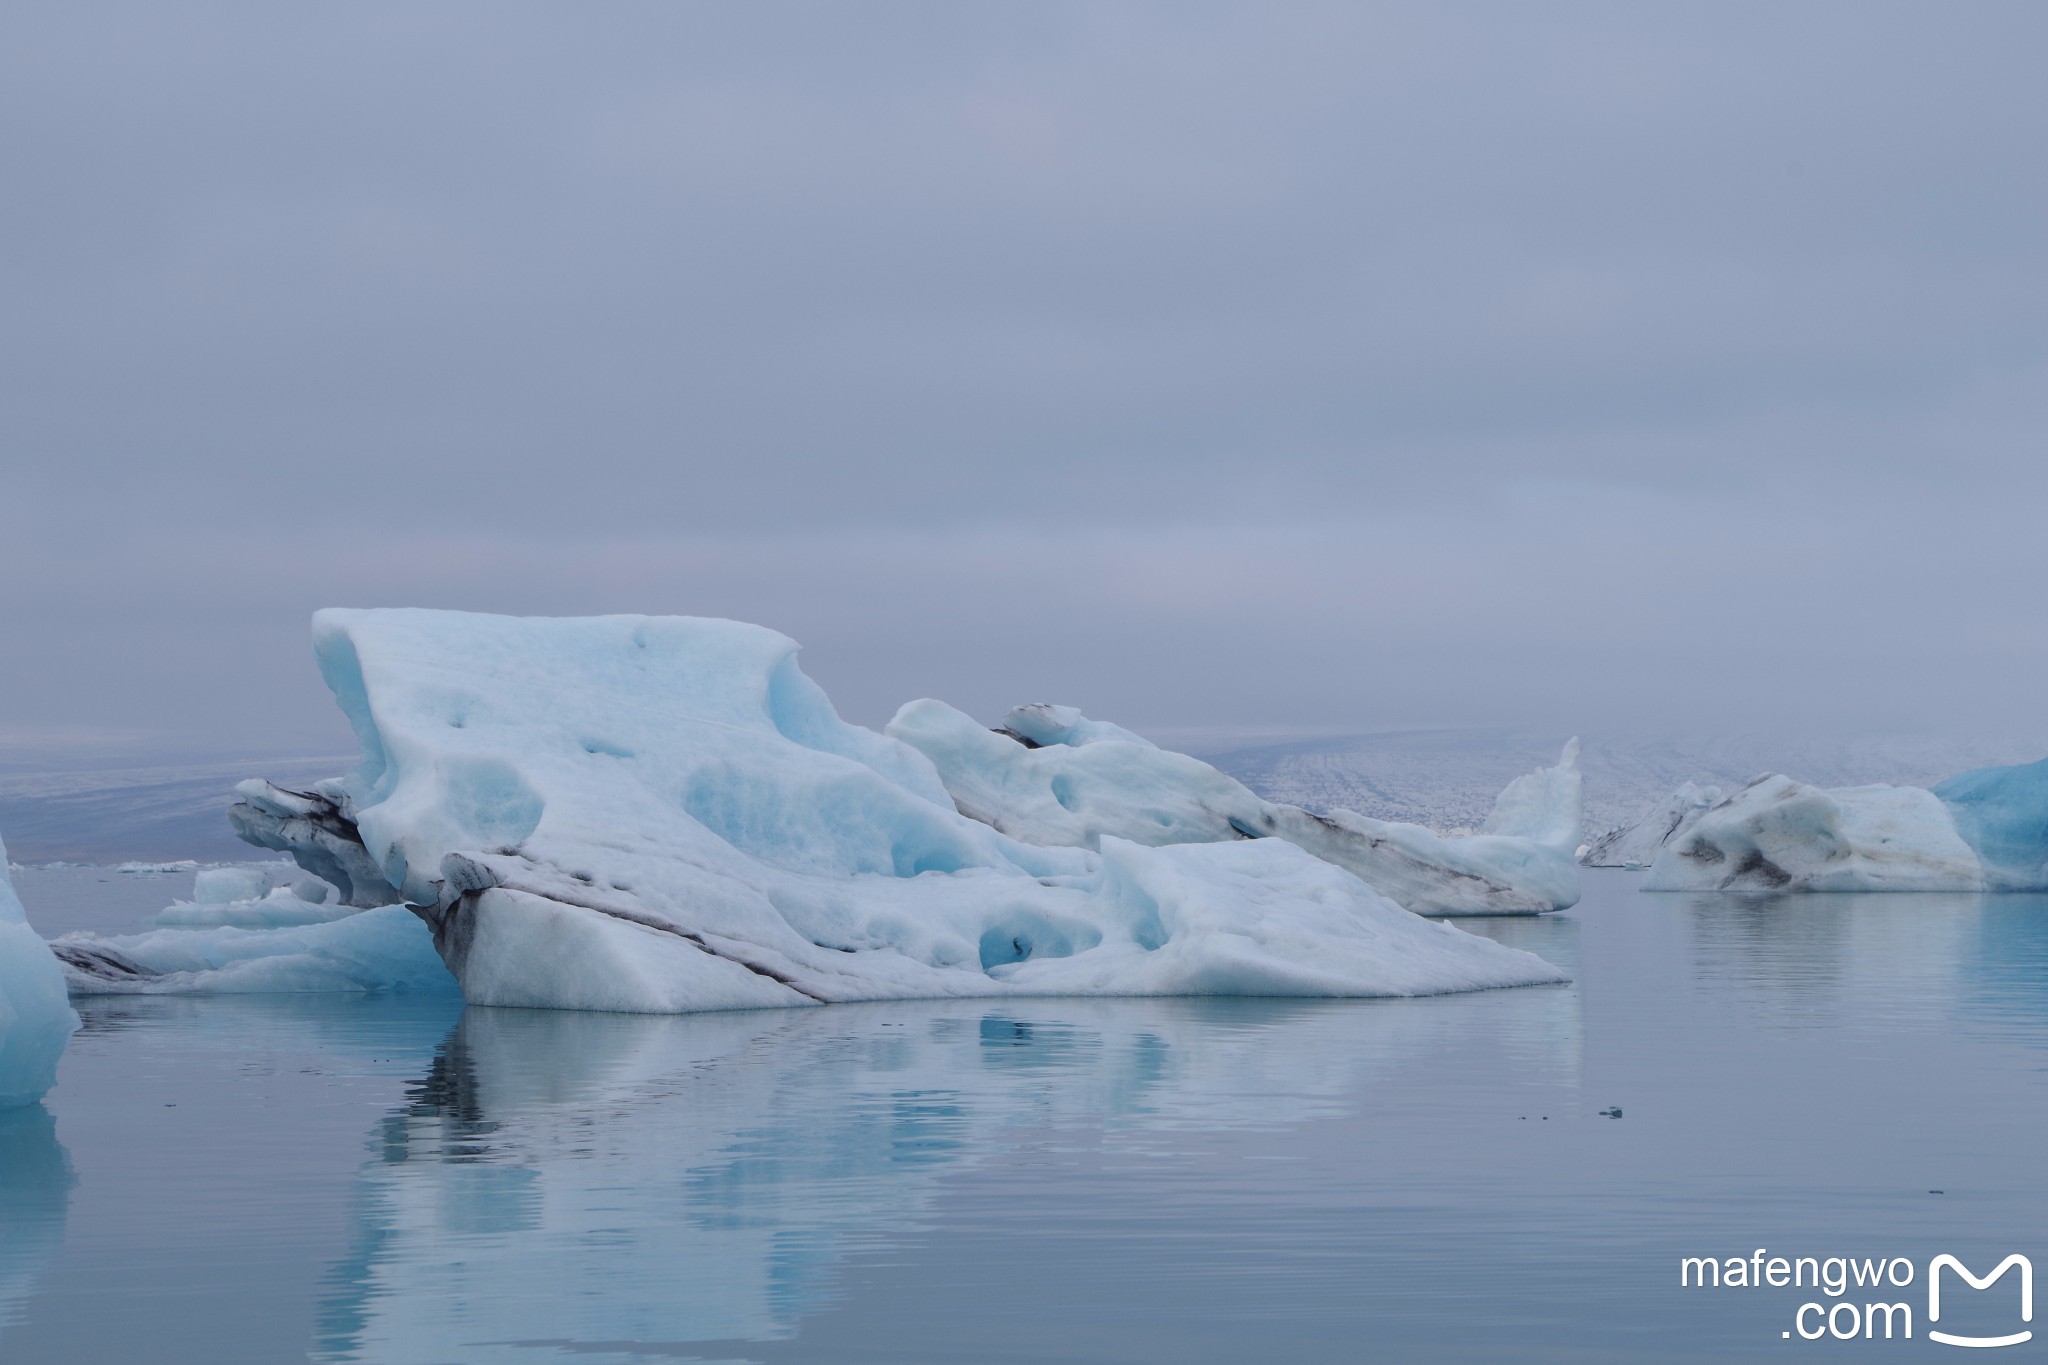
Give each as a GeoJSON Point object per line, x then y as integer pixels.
{"type": "Point", "coordinates": [397, 1180]}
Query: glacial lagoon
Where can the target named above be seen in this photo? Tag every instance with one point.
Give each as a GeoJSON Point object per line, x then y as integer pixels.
{"type": "Point", "coordinates": [395, 1179]}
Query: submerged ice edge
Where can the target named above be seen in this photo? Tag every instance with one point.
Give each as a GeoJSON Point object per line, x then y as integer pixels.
{"type": "Point", "coordinates": [665, 815]}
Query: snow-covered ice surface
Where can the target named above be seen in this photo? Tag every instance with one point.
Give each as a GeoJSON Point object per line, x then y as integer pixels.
{"type": "Point", "coordinates": [1780, 835]}
{"type": "Point", "coordinates": [1048, 775]}
{"type": "Point", "coordinates": [666, 815]}
{"type": "Point", "coordinates": [36, 1018]}
{"type": "Point", "coordinates": [1636, 844]}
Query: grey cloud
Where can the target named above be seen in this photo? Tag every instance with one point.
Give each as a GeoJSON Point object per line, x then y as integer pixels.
{"type": "Point", "coordinates": [1339, 365]}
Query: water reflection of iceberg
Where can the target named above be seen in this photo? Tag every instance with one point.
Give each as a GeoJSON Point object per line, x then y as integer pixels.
{"type": "Point", "coordinates": [1801, 951]}
{"type": "Point", "coordinates": [609, 1183]}
{"type": "Point", "coordinates": [2008, 986]}
{"type": "Point", "coordinates": [35, 1200]}
{"type": "Point", "coordinates": [1930, 957]}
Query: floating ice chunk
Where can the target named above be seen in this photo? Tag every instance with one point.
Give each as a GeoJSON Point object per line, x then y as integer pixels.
{"type": "Point", "coordinates": [367, 950]}
{"type": "Point", "coordinates": [665, 815]}
{"type": "Point", "coordinates": [1636, 843]}
{"type": "Point", "coordinates": [2003, 814]}
{"type": "Point", "coordinates": [36, 1020]}
{"type": "Point", "coordinates": [1780, 835]}
{"type": "Point", "coordinates": [279, 908]}
{"type": "Point", "coordinates": [1079, 791]}
{"type": "Point", "coordinates": [222, 885]}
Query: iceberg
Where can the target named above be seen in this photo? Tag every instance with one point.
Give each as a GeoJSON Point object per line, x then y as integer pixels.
{"type": "Point", "coordinates": [665, 815]}
{"type": "Point", "coordinates": [1047, 775]}
{"type": "Point", "coordinates": [2003, 814]}
{"type": "Point", "coordinates": [36, 1018]}
{"type": "Point", "coordinates": [1635, 844]}
{"type": "Point", "coordinates": [1780, 835]}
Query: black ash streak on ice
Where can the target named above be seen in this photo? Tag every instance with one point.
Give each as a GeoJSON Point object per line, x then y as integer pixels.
{"type": "Point", "coordinates": [467, 878]}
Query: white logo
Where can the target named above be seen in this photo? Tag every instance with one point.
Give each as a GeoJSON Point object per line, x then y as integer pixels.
{"type": "Point", "coordinates": [1934, 1298]}
{"type": "Point", "coordinates": [1845, 1318]}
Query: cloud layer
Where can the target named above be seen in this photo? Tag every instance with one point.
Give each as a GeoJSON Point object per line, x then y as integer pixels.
{"type": "Point", "coordinates": [1339, 367]}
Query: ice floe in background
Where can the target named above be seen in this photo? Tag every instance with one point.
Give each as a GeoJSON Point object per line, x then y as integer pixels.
{"type": "Point", "coordinates": [1048, 775]}
{"type": "Point", "coordinates": [250, 898]}
{"type": "Point", "coordinates": [666, 815]}
{"type": "Point", "coordinates": [36, 1018]}
{"type": "Point", "coordinates": [1981, 830]}
{"type": "Point", "coordinates": [1782, 835]}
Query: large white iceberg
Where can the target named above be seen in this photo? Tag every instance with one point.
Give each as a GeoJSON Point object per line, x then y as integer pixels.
{"type": "Point", "coordinates": [1780, 835]}
{"type": "Point", "coordinates": [36, 1018]}
{"type": "Point", "coordinates": [1048, 775]}
{"type": "Point", "coordinates": [664, 814]}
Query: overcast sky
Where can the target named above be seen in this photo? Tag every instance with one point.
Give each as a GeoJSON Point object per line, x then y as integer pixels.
{"type": "Point", "coordinates": [1328, 366]}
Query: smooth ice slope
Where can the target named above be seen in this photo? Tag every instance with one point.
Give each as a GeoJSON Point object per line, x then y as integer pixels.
{"type": "Point", "coordinates": [1636, 843]}
{"type": "Point", "coordinates": [1048, 775]}
{"type": "Point", "coordinates": [1780, 835]}
{"type": "Point", "coordinates": [665, 815]}
{"type": "Point", "coordinates": [36, 1018]}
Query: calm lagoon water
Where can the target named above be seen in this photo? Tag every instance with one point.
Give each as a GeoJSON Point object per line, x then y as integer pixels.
{"type": "Point", "coordinates": [397, 1180]}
